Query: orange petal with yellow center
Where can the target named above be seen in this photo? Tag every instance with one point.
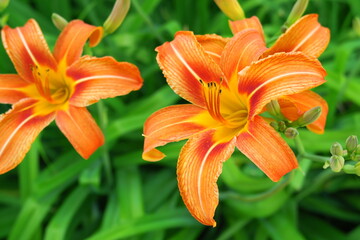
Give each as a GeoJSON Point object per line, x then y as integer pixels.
{"type": "Point", "coordinates": [11, 88]}
{"type": "Point", "coordinates": [19, 127]}
{"type": "Point", "coordinates": [213, 45]}
{"type": "Point", "coordinates": [247, 23]}
{"type": "Point", "coordinates": [173, 124]}
{"type": "Point", "coordinates": [27, 49]}
{"type": "Point", "coordinates": [306, 35]}
{"type": "Point", "coordinates": [278, 75]}
{"type": "Point", "coordinates": [81, 130]}
{"type": "Point", "coordinates": [199, 166]}
{"type": "Point", "coordinates": [72, 39]}
{"type": "Point", "coordinates": [244, 48]}
{"type": "Point", "coordinates": [99, 78]}
{"type": "Point", "coordinates": [293, 106]}
{"type": "Point", "coordinates": [266, 149]}
{"type": "Point", "coordinates": [184, 63]}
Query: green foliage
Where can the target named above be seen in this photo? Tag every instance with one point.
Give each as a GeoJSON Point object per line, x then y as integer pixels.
{"type": "Point", "coordinates": [55, 194]}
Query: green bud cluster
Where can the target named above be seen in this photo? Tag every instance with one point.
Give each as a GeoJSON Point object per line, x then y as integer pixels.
{"type": "Point", "coordinates": [340, 155]}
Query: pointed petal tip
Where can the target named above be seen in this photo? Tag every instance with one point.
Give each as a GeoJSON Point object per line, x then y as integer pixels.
{"type": "Point", "coordinates": [153, 155]}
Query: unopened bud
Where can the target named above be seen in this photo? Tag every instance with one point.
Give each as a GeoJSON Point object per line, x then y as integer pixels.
{"type": "Point", "coordinates": [351, 143]}
{"type": "Point", "coordinates": [231, 8]}
{"type": "Point", "coordinates": [356, 25]}
{"type": "Point", "coordinates": [116, 16]}
{"type": "Point", "coordinates": [291, 132]}
{"type": "Point", "coordinates": [357, 149]}
{"type": "Point", "coordinates": [308, 117]}
{"type": "Point", "coordinates": [282, 126]}
{"type": "Point", "coordinates": [3, 4]}
{"type": "Point", "coordinates": [349, 169]}
{"type": "Point", "coordinates": [296, 12]}
{"type": "Point", "coordinates": [336, 149]}
{"type": "Point", "coordinates": [273, 108]}
{"type": "Point", "coordinates": [275, 125]}
{"type": "Point", "coordinates": [336, 163]}
{"type": "Point", "coordinates": [326, 165]}
{"type": "Point", "coordinates": [357, 169]}
{"type": "Point", "coordinates": [59, 22]}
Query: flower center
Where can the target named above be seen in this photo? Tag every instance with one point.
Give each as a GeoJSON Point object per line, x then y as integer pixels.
{"type": "Point", "coordinates": [51, 85]}
{"type": "Point", "coordinates": [233, 112]}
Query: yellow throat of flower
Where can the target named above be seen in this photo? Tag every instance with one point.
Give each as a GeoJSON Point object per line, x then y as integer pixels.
{"type": "Point", "coordinates": [52, 88]}
{"type": "Point", "coordinates": [224, 105]}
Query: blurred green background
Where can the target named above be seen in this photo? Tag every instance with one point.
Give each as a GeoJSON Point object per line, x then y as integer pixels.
{"type": "Point", "coordinates": [55, 194]}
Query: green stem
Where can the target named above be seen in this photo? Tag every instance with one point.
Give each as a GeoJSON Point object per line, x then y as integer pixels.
{"type": "Point", "coordinates": [299, 146]}
{"type": "Point", "coordinates": [315, 158]}
{"type": "Point", "coordinates": [303, 154]}
{"type": "Point", "coordinates": [104, 149]}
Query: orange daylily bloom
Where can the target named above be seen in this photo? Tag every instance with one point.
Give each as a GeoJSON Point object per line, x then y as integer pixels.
{"type": "Point", "coordinates": [227, 88]}
{"type": "Point", "coordinates": [56, 86]}
{"type": "Point", "coordinates": [305, 35]}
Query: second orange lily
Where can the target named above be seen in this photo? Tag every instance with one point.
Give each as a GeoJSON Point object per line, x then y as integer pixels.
{"type": "Point", "coordinates": [307, 36]}
{"type": "Point", "coordinates": [228, 87]}
{"type": "Point", "coordinates": [56, 86]}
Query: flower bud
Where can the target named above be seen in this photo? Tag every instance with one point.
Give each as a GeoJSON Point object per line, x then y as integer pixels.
{"type": "Point", "coordinates": [357, 158]}
{"type": "Point", "coordinates": [357, 149]}
{"type": "Point", "coordinates": [296, 12]}
{"type": "Point", "coordinates": [336, 149]}
{"type": "Point", "coordinates": [282, 126]}
{"type": "Point", "coordinates": [3, 4]}
{"type": "Point", "coordinates": [351, 143]}
{"type": "Point", "coordinates": [231, 8]}
{"type": "Point", "coordinates": [58, 21]}
{"type": "Point", "coordinates": [326, 165]}
{"type": "Point", "coordinates": [275, 125]}
{"type": "Point", "coordinates": [291, 133]}
{"type": "Point", "coordinates": [336, 163]}
{"type": "Point", "coordinates": [356, 25]}
{"type": "Point", "coordinates": [308, 117]}
{"type": "Point", "coordinates": [116, 16]}
{"type": "Point", "coordinates": [273, 108]}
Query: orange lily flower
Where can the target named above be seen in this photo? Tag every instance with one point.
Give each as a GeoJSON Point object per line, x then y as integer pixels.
{"type": "Point", "coordinates": [56, 86]}
{"type": "Point", "coordinates": [227, 88]}
{"type": "Point", "coordinates": [305, 35]}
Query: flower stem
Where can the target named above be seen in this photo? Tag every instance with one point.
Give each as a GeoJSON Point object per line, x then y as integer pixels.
{"type": "Point", "coordinates": [299, 146]}
{"type": "Point", "coordinates": [303, 154]}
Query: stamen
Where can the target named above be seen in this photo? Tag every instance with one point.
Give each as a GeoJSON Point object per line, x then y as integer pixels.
{"type": "Point", "coordinates": [42, 82]}
{"type": "Point", "coordinates": [211, 93]}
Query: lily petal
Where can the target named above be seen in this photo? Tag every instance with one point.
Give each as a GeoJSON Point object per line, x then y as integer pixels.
{"type": "Point", "coordinates": [10, 88]}
{"type": "Point", "coordinates": [278, 75]}
{"type": "Point", "coordinates": [247, 23]}
{"type": "Point", "coordinates": [266, 149]}
{"type": "Point", "coordinates": [19, 127]}
{"type": "Point", "coordinates": [244, 48]}
{"type": "Point", "coordinates": [293, 106]}
{"type": "Point", "coordinates": [99, 78]}
{"type": "Point", "coordinates": [173, 124]}
{"type": "Point", "coordinates": [80, 129]}
{"type": "Point", "coordinates": [27, 49]}
{"type": "Point", "coordinates": [306, 35]}
{"type": "Point", "coordinates": [199, 166]}
{"type": "Point", "coordinates": [72, 39]}
{"type": "Point", "coordinates": [184, 63]}
{"type": "Point", "coordinates": [213, 45]}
